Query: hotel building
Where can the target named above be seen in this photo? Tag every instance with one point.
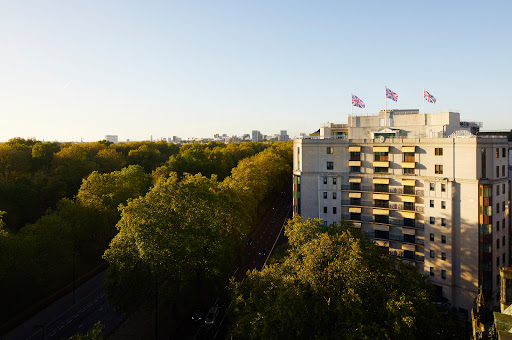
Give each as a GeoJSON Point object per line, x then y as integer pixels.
{"type": "Point", "coordinates": [426, 187]}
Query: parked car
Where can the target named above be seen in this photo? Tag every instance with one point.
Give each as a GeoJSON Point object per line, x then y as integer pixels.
{"type": "Point", "coordinates": [210, 317]}
{"type": "Point", "coordinates": [250, 241]}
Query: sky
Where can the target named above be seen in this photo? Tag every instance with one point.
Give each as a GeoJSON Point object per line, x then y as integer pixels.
{"type": "Point", "coordinates": [79, 70]}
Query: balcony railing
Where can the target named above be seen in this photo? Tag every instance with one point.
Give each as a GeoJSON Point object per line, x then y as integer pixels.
{"type": "Point", "coordinates": [392, 221]}
{"type": "Point", "coordinates": [401, 255]}
{"type": "Point", "coordinates": [417, 192]}
{"type": "Point", "coordinates": [391, 205]}
{"type": "Point", "coordinates": [402, 206]}
{"type": "Point", "coordinates": [399, 238]}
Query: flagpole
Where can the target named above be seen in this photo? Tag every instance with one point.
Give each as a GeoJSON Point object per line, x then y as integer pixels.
{"type": "Point", "coordinates": [386, 107]}
{"type": "Point", "coordinates": [423, 102]}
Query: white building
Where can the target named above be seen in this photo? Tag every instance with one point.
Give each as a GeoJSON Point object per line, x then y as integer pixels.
{"type": "Point", "coordinates": [427, 191]}
{"type": "Point", "coordinates": [111, 138]}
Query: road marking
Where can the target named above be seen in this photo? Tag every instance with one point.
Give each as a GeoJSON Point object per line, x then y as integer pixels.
{"type": "Point", "coordinates": [100, 309]}
{"type": "Point", "coordinates": [80, 325]}
{"type": "Point", "coordinates": [236, 270]}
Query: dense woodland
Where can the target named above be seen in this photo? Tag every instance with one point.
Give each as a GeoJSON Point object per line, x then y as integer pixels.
{"type": "Point", "coordinates": [60, 202]}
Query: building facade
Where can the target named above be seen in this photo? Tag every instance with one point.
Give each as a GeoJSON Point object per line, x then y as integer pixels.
{"type": "Point", "coordinates": [423, 187]}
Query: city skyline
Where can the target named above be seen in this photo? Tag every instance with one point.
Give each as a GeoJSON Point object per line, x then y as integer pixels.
{"type": "Point", "coordinates": [85, 70]}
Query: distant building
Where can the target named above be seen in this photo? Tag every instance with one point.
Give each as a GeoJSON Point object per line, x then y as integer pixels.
{"type": "Point", "coordinates": [256, 136]}
{"type": "Point", "coordinates": [111, 138]}
{"type": "Point", "coordinates": [176, 139]}
{"type": "Point", "coordinates": [283, 136]}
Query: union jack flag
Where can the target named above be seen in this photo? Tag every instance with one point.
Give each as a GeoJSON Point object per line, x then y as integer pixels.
{"type": "Point", "coordinates": [428, 97]}
{"type": "Point", "coordinates": [357, 102]}
{"type": "Point", "coordinates": [391, 95]}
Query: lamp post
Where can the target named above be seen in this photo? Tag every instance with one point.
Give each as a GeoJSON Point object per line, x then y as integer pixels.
{"type": "Point", "coordinates": [75, 255]}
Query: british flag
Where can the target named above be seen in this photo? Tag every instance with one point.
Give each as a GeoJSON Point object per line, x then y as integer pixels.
{"type": "Point", "coordinates": [391, 95]}
{"type": "Point", "coordinates": [428, 97]}
{"type": "Point", "coordinates": [357, 102]}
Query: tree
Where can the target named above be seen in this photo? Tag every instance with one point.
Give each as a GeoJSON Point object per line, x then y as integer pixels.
{"type": "Point", "coordinates": [94, 334]}
{"type": "Point", "coordinates": [334, 283]}
{"type": "Point", "coordinates": [109, 160]}
{"type": "Point", "coordinates": [186, 230]}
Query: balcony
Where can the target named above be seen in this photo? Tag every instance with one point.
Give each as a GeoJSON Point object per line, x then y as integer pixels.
{"type": "Point", "coordinates": [406, 256]}
{"type": "Point", "coordinates": [407, 191]}
{"type": "Point", "coordinates": [397, 222]}
{"type": "Point", "coordinates": [402, 206]}
{"type": "Point", "coordinates": [398, 238]}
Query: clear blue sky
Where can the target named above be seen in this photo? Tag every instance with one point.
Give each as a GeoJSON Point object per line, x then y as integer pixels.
{"type": "Point", "coordinates": [72, 69]}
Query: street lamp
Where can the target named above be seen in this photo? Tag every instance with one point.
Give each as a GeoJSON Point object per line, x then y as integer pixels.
{"type": "Point", "coordinates": [75, 255]}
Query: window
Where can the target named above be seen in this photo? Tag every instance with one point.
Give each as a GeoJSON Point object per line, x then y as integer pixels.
{"type": "Point", "coordinates": [443, 222]}
{"type": "Point", "coordinates": [334, 196]}
{"type": "Point", "coordinates": [431, 271]}
{"type": "Point", "coordinates": [443, 256]}
{"type": "Point", "coordinates": [408, 171]}
{"type": "Point", "coordinates": [497, 225]}
{"type": "Point", "coordinates": [503, 225]}
{"type": "Point", "coordinates": [432, 186]}
{"type": "Point", "coordinates": [439, 151]}
{"type": "Point", "coordinates": [497, 171]}
{"type": "Point", "coordinates": [498, 190]}
{"type": "Point", "coordinates": [330, 165]}
{"type": "Point", "coordinates": [503, 206]}
{"type": "Point", "coordinates": [325, 210]}
{"type": "Point", "coordinates": [443, 187]}
{"type": "Point", "coordinates": [325, 194]}
{"type": "Point", "coordinates": [498, 244]}
{"type": "Point", "coordinates": [497, 208]}
{"type": "Point", "coordinates": [497, 261]}
{"type": "Point", "coordinates": [330, 150]}
{"type": "Point", "coordinates": [443, 204]}
{"type": "Point", "coordinates": [439, 169]}
{"type": "Point", "coordinates": [432, 237]}
{"type": "Point", "coordinates": [503, 170]}
{"type": "Point", "coordinates": [432, 254]}
{"type": "Point", "coordinates": [443, 274]}
{"type": "Point", "coordinates": [503, 241]}
{"type": "Point", "coordinates": [325, 180]}
{"type": "Point", "coordinates": [334, 210]}
{"type": "Point", "coordinates": [325, 222]}
{"type": "Point", "coordinates": [443, 238]}
{"type": "Point", "coordinates": [431, 203]}
{"type": "Point", "coordinates": [497, 152]}
{"type": "Point", "coordinates": [355, 169]}
{"type": "Point", "coordinates": [503, 188]}
{"type": "Point", "coordinates": [504, 152]}
{"type": "Point", "coordinates": [503, 259]}
{"type": "Point", "coordinates": [432, 220]}
{"type": "Point", "coordinates": [334, 180]}
{"type": "Point", "coordinates": [484, 167]}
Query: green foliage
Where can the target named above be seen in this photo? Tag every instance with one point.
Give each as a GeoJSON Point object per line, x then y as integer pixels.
{"type": "Point", "coordinates": [188, 228]}
{"type": "Point", "coordinates": [334, 284]}
{"type": "Point", "coordinates": [93, 334]}
{"type": "Point", "coordinates": [184, 229]}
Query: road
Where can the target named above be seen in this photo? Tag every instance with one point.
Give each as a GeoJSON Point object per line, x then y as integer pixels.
{"type": "Point", "coordinates": [62, 319]}
{"type": "Point", "coordinates": [269, 234]}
